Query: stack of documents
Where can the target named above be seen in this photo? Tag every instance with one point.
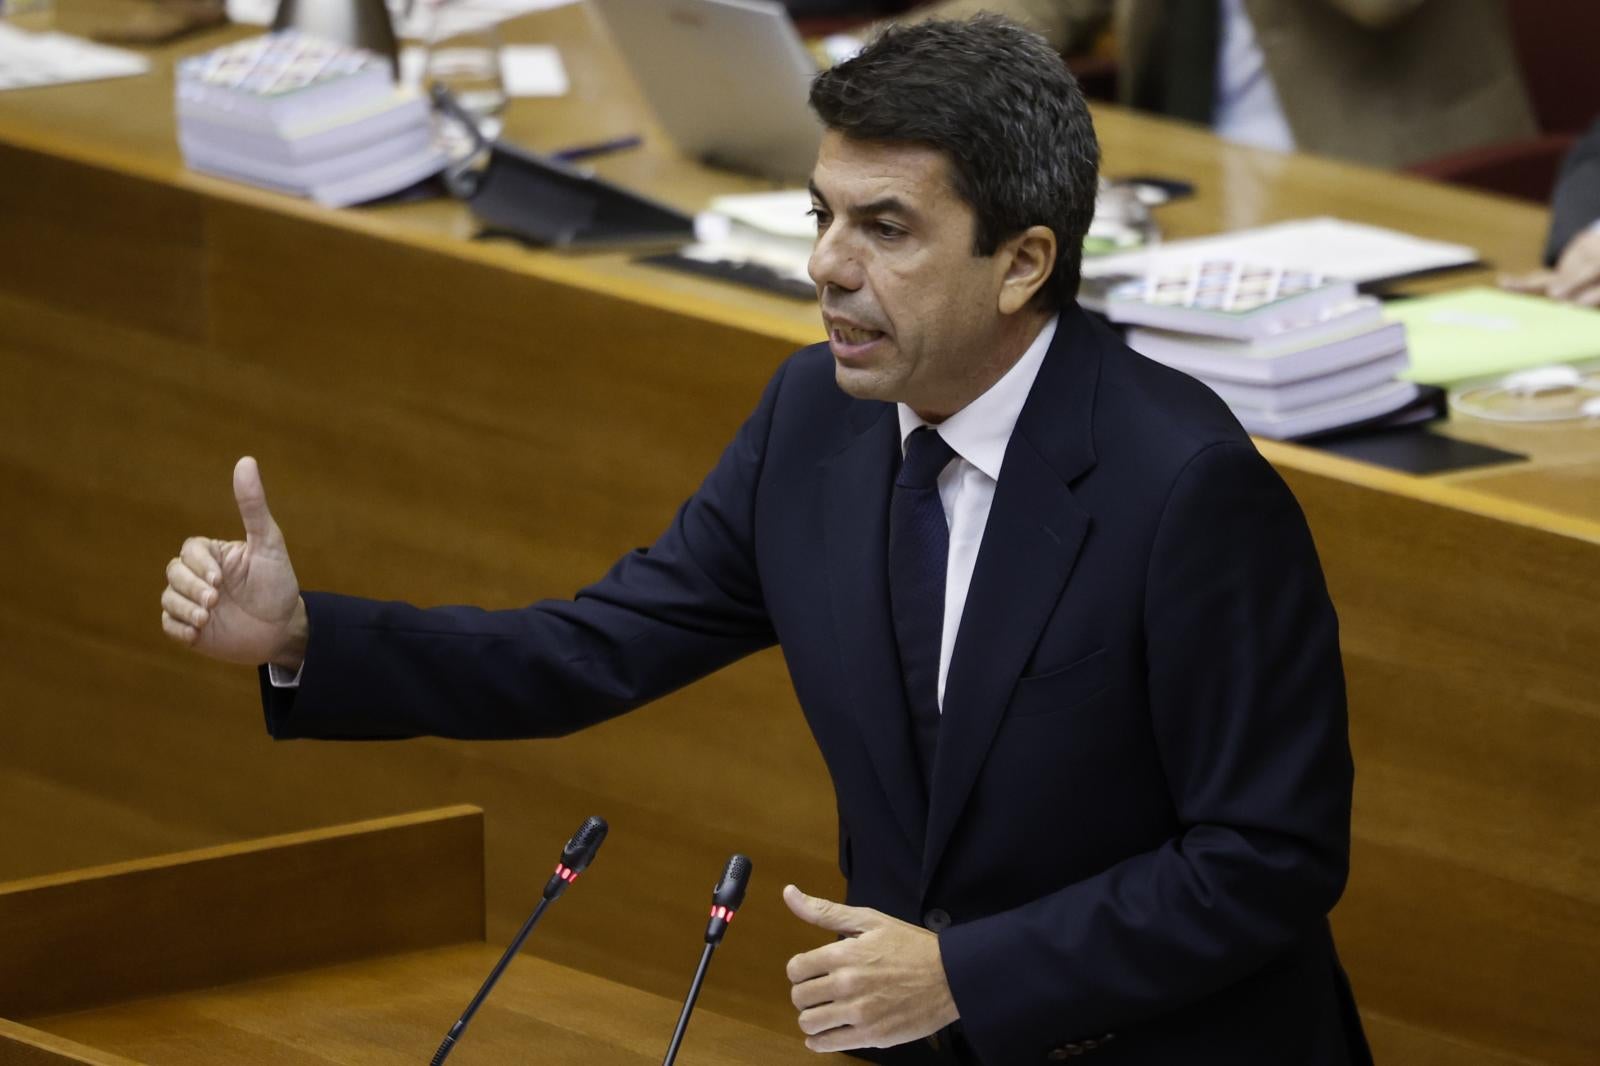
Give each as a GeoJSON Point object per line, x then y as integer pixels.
{"type": "Point", "coordinates": [32, 59]}
{"type": "Point", "coordinates": [1292, 353]}
{"type": "Point", "coordinates": [1366, 255]}
{"type": "Point", "coordinates": [304, 116]}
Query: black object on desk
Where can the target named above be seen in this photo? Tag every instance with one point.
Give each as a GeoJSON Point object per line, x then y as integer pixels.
{"type": "Point", "coordinates": [1415, 450]}
{"type": "Point", "coordinates": [546, 201]}
{"type": "Point", "coordinates": [1402, 441]}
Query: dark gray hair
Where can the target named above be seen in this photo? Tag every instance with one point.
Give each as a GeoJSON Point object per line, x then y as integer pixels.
{"type": "Point", "coordinates": [1001, 105]}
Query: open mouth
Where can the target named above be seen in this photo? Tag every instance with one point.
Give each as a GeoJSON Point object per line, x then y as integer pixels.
{"type": "Point", "coordinates": [851, 343]}
{"type": "Point", "coordinates": [853, 336]}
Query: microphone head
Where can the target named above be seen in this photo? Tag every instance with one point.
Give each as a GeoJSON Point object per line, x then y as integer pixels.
{"type": "Point", "coordinates": [729, 892]}
{"type": "Point", "coordinates": [580, 850]}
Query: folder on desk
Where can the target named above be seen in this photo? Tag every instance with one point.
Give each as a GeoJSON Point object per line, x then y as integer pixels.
{"type": "Point", "coordinates": [1480, 332]}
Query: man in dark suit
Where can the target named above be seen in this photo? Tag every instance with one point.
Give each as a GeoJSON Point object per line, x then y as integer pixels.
{"type": "Point", "coordinates": [1059, 631]}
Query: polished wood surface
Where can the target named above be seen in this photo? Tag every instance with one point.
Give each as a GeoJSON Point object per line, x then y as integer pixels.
{"type": "Point", "coordinates": [394, 1011]}
{"type": "Point", "coordinates": [358, 945]}
{"type": "Point", "coordinates": [445, 420]}
{"type": "Point", "coordinates": [23, 1045]}
{"type": "Point", "coordinates": [234, 911]}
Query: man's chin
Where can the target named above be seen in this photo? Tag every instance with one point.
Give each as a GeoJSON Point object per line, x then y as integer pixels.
{"type": "Point", "coordinates": [863, 384]}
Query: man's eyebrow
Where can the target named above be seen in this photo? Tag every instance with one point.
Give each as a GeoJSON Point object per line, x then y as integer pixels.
{"type": "Point", "coordinates": [883, 205]}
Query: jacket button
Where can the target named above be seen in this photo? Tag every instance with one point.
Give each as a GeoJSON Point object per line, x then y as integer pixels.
{"type": "Point", "coordinates": [937, 920]}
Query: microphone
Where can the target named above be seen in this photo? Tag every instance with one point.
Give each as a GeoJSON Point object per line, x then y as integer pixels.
{"type": "Point", "coordinates": [575, 858]}
{"type": "Point", "coordinates": [577, 855]}
{"type": "Point", "coordinates": [726, 899]}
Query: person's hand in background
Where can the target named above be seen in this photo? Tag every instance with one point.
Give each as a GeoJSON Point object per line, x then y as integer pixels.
{"type": "Point", "coordinates": [1576, 277]}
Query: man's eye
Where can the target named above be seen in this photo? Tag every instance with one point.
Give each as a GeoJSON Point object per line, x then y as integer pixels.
{"type": "Point", "coordinates": [820, 216]}
{"type": "Point", "coordinates": [888, 230]}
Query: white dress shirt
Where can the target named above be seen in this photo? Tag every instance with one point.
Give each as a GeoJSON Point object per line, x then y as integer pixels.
{"type": "Point", "coordinates": [978, 433]}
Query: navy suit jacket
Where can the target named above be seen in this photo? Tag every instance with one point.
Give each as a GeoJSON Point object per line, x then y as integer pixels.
{"type": "Point", "coordinates": [1139, 817]}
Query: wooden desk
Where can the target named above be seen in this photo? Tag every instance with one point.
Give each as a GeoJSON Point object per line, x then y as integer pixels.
{"type": "Point", "coordinates": [359, 945]}
{"type": "Point", "coordinates": [448, 421]}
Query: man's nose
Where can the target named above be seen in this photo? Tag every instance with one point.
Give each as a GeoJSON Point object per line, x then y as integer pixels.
{"type": "Point", "coordinates": [834, 263]}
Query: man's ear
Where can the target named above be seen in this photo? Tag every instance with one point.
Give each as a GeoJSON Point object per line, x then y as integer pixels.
{"type": "Point", "coordinates": [1030, 257]}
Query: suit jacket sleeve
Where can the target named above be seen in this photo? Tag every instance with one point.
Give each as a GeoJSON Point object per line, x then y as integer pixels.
{"type": "Point", "coordinates": [1246, 699]}
{"type": "Point", "coordinates": [662, 617]}
{"type": "Point", "coordinates": [1576, 205]}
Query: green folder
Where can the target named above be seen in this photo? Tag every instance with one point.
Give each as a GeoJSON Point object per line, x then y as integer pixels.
{"type": "Point", "coordinates": [1481, 332]}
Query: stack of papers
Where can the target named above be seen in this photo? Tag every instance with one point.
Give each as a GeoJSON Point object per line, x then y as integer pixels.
{"type": "Point", "coordinates": [772, 229]}
{"type": "Point", "coordinates": [417, 20]}
{"type": "Point", "coordinates": [306, 117]}
{"type": "Point", "coordinates": [1333, 247]}
{"type": "Point", "coordinates": [32, 59]}
{"type": "Point", "coordinates": [1291, 353]}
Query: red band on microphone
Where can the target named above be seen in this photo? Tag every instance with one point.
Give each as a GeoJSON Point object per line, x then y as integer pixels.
{"type": "Point", "coordinates": [722, 912]}
{"type": "Point", "coordinates": [565, 874]}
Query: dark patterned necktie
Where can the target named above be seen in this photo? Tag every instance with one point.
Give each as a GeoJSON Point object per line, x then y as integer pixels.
{"type": "Point", "coordinates": [919, 551]}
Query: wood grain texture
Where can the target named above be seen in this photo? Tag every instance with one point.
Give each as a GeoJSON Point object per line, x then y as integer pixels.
{"type": "Point", "coordinates": [191, 920]}
{"type": "Point", "coordinates": [1474, 902]}
{"type": "Point", "coordinates": [383, 951]}
{"type": "Point", "coordinates": [445, 420]}
{"type": "Point", "coordinates": [23, 1045]}
{"type": "Point", "coordinates": [396, 1010]}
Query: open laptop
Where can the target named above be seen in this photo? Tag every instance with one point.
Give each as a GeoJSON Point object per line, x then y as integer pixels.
{"type": "Point", "coordinates": [727, 80]}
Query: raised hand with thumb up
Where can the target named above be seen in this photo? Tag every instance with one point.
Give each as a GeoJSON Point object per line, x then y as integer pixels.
{"type": "Point", "coordinates": [238, 600]}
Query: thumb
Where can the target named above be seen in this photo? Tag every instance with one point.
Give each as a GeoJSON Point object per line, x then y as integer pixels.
{"type": "Point", "coordinates": [826, 914]}
{"type": "Point", "coordinates": [251, 497]}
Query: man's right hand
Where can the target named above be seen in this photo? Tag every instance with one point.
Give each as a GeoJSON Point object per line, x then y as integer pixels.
{"type": "Point", "coordinates": [238, 600]}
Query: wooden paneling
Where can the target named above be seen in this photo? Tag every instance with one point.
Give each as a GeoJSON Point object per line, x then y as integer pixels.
{"type": "Point", "coordinates": [22, 1045]}
{"type": "Point", "coordinates": [358, 944]}
{"type": "Point", "coordinates": [102, 243]}
{"type": "Point", "coordinates": [1474, 901]}
{"type": "Point", "coordinates": [156, 926]}
{"type": "Point", "coordinates": [393, 1011]}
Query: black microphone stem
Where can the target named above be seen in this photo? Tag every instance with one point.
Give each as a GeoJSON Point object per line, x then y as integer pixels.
{"type": "Point", "coordinates": [688, 1005]}
{"type": "Point", "coordinates": [494, 975]}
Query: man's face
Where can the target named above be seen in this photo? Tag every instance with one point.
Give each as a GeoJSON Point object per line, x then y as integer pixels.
{"type": "Point", "coordinates": [912, 313]}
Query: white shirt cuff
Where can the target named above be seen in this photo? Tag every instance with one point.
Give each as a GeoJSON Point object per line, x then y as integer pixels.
{"type": "Point", "coordinates": [278, 677]}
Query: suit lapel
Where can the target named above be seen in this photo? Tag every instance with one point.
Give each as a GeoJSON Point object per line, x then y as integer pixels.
{"type": "Point", "coordinates": [856, 486]}
{"type": "Point", "coordinates": [1030, 544]}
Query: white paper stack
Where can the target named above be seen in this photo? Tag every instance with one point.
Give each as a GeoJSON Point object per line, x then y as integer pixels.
{"type": "Point", "coordinates": [29, 59]}
{"type": "Point", "coordinates": [304, 116]}
{"type": "Point", "coordinates": [1292, 353]}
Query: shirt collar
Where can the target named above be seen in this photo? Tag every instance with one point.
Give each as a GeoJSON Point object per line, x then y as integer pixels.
{"type": "Point", "coordinates": [980, 431]}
